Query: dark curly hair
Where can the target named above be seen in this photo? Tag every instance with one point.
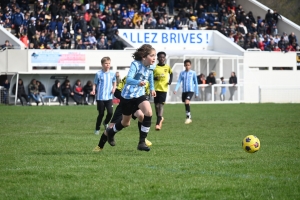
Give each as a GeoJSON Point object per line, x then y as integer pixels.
{"type": "Point", "coordinates": [142, 52]}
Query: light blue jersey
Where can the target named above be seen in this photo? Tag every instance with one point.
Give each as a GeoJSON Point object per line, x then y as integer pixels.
{"type": "Point", "coordinates": [189, 82]}
{"type": "Point", "coordinates": [137, 73]}
{"type": "Point", "coordinates": [104, 82]}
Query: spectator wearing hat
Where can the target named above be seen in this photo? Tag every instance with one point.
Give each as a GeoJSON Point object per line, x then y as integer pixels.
{"type": "Point", "coordinates": [80, 45]}
{"type": "Point", "coordinates": [31, 28]}
{"type": "Point", "coordinates": [193, 23]}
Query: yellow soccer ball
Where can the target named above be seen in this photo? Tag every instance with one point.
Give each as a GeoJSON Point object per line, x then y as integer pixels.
{"type": "Point", "coordinates": [251, 144]}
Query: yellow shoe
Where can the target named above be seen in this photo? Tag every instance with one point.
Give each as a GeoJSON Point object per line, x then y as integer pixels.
{"type": "Point", "coordinates": [97, 149]}
{"type": "Point", "coordinates": [148, 143]}
{"type": "Point", "coordinates": [188, 121]}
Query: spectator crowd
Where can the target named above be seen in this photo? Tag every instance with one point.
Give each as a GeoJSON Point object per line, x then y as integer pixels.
{"type": "Point", "coordinates": [94, 24]}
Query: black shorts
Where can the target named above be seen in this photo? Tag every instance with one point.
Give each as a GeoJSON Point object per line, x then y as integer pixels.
{"type": "Point", "coordinates": [130, 105]}
{"type": "Point", "coordinates": [117, 94]}
{"type": "Point", "coordinates": [118, 114]}
{"type": "Point", "coordinates": [187, 96]}
{"type": "Point", "coordinates": [160, 97]}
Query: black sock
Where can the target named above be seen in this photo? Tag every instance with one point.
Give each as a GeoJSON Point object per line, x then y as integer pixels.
{"type": "Point", "coordinates": [187, 110]}
{"type": "Point", "coordinates": [140, 126]}
{"type": "Point", "coordinates": [158, 120]}
{"type": "Point", "coordinates": [102, 141]}
{"type": "Point", "coordinates": [116, 128]}
{"type": "Point", "coordinates": [145, 128]}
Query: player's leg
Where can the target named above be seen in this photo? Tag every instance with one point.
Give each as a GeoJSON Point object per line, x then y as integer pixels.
{"type": "Point", "coordinates": [127, 106]}
{"type": "Point", "coordinates": [145, 107]}
{"type": "Point", "coordinates": [161, 99]}
{"type": "Point", "coordinates": [140, 116]}
{"type": "Point", "coordinates": [100, 108]}
{"type": "Point", "coordinates": [187, 96]}
{"type": "Point", "coordinates": [117, 116]}
{"type": "Point", "coordinates": [109, 108]}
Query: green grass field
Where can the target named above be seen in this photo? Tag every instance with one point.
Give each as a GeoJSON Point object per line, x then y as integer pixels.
{"type": "Point", "coordinates": [46, 153]}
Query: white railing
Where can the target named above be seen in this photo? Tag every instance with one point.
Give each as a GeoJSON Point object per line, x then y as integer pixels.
{"type": "Point", "coordinates": [208, 94]}
{"type": "Point", "coordinates": [283, 93]}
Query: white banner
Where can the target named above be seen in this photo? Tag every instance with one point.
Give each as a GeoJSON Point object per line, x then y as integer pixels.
{"type": "Point", "coordinates": [56, 58]}
{"type": "Point", "coordinates": [170, 38]}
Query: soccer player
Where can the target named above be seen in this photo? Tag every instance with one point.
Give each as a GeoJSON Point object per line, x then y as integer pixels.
{"type": "Point", "coordinates": [189, 86]}
{"type": "Point", "coordinates": [140, 72]}
{"type": "Point", "coordinates": [105, 81]}
{"type": "Point", "coordinates": [162, 79]}
{"type": "Point", "coordinates": [137, 113]}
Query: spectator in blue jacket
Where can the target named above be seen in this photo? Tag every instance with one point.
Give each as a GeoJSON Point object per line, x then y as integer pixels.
{"type": "Point", "coordinates": [17, 21]}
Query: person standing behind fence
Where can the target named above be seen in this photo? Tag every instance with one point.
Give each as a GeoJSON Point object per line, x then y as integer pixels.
{"type": "Point", "coordinates": [42, 91]}
{"type": "Point", "coordinates": [232, 89]}
{"type": "Point", "coordinates": [210, 80]}
{"type": "Point", "coordinates": [201, 81]}
{"type": "Point", "coordinates": [56, 91]}
{"type": "Point", "coordinates": [105, 82]}
{"type": "Point", "coordinates": [223, 90]}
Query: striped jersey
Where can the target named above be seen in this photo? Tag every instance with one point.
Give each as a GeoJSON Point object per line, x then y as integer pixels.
{"type": "Point", "coordinates": [122, 83]}
{"type": "Point", "coordinates": [189, 81]}
{"type": "Point", "coordinates": [104, 81]}
{"type": "Point", "coordinates": [162, 74]}
{"type": "Point", "coordinates": [137, 73]}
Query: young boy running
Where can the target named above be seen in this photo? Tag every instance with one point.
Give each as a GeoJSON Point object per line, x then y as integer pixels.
{"type": "Point", "coordinates": [188, 78]}
{"type": "Point", "coordinates": [140, 72]}
{"type": "Point", "coordinates": [137, 113]}
{"type": "Point", "coordinates": [162, 79]}
{"type": "Point", "coordinates": [105, 81]}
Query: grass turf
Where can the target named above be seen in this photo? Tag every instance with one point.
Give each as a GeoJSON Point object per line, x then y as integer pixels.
{"type": "Point", "coordinates": [46, 153]}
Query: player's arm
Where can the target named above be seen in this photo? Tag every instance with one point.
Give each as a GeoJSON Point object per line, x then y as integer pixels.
{"type": "Point", "coordinates": [171, 78]}
{"type": "Point", "coordinates": [178, 83]}
{"type": "Point", "coordinates": [196, 84]}
{"type": "Point", "coordinates": [130, 76]}
{"type": "Point", "coordinates": [114, 85]}
{"type": "Point", "coordinates": [151, 84]}
{"type": "Point", "coordinates": [95, 84]}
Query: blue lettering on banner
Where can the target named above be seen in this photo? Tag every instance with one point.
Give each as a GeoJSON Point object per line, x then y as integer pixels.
{"type": "Point", "coordinates": [199, 37]}
{"type": "Point", "coordinates": [131, 38]}
{"type": "Point", "coordinates": [192, 37]}
{"type": "Point", "coordinates": [164, 38]}
{"type": "Point", "coordinates": [153, 39]}
{"type": "Point", "coordinates": [139, 38]}
{"type": "Point", "coordinates": [184, 39]}
{"type": "Point", "coordinates": [172, 37]}
{"type": "Point", "coordinates": [146, 38]}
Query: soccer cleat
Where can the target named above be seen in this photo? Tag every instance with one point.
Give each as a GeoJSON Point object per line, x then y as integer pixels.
{"type": "Point", "coordinates": [148, 143]}
{"type": "Point", "coordinates": [157, 127]}
{"type": "Point", "coordinates": [97, 149]}
{"type": "Point", "coordinates": [105, 125]}
{"type": "Point", "coordinates": [110, 138]}
{"type": "Point", "coordinates": [188, 121]}
{"type": "Point", "coordinates": [143, 147]}
{"type": "Point", "coordinates": [96, 132]}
